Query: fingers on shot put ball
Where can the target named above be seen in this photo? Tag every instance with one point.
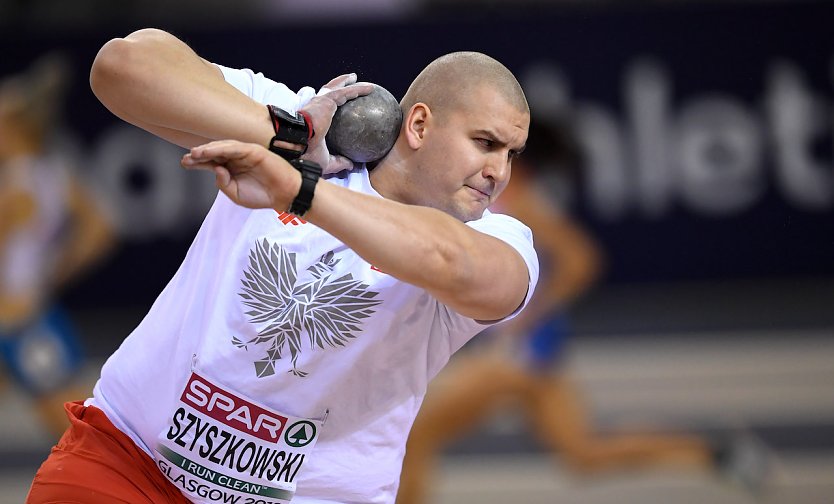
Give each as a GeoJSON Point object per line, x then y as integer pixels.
{"type": "Point", "coordinates": [364, 129]}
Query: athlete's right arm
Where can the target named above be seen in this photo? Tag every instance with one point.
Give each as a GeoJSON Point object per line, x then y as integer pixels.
{"type": "Point", "coordinates": [155, 81]}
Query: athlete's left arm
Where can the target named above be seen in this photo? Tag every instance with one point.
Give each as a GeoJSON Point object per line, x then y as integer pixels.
{"type": "Point", "coordinates": [475, 274]}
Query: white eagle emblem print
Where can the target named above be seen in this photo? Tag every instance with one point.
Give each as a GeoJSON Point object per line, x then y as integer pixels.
{"type": "Point", "coordinates": [289, 309]}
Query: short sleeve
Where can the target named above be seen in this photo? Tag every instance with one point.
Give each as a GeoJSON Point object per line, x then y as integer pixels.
{"type": "Point", "coordinates": [265, 90]}
{"type": "Point", "coordinates": [518, 236]}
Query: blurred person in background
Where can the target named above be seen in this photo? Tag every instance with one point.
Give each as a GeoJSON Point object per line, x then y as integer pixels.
{"type": "Point", "coordinates": [51, 231]}
{"type": "Point", "coordinates": [521, 364]}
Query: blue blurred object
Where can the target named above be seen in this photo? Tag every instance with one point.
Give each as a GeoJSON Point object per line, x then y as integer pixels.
{"type": "Point", "coordinates": [546, 342]}
{"type": "Point", "coordinates": [43, 354]}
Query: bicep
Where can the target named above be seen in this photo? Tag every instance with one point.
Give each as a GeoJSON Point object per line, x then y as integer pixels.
{"type": "Point", "coordinates": [492, 283]}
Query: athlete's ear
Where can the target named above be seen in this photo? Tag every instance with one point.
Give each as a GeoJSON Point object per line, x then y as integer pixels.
{"type": "Point", "coordinates": [415, 124]}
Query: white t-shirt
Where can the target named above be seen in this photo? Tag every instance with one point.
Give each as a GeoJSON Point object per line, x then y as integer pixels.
{"type": "Point", "coordinates": [271, 321]}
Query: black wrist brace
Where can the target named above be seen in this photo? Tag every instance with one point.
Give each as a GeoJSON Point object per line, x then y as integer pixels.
{"type": "Point", "coordinates": [292, 129]}
{"type": "Point", "coordinates": [310, 174]}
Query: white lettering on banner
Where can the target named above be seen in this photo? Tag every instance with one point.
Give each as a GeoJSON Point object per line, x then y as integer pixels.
{"type": "Point", "coordinates": [719, 146]}
{"type": "Point", "coordinates": [799, 119]}
{"type": "Point", "coordinates": [609, 187]}
{"type": "Point", "coordinates": [215, 402]}
{"type": "Point", "coordinates": [706, 155]}
{"type": "Point", "coordinates": [647, 101]}
{"type": "Point", "coordinates": [198, 393]}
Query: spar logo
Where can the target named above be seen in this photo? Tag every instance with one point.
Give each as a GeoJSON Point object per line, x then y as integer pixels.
{"type": "Point", "coordinates": [300, 434]}
{"type": "Point", "coordinates": [237, 413]}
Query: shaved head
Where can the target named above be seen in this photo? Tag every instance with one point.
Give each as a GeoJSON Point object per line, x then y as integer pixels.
{"type": "Point", "coordinates": [465, 119]}
{"type": "Point", "coordinates": [448, 82]}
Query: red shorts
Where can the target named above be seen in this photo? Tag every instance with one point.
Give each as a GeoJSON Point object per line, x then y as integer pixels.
{"type": "Point", "coordinates": [94, 462]}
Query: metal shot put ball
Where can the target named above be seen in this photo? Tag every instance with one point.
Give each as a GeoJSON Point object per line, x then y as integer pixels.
{"type": "Point", "coordinates": [364, 129]}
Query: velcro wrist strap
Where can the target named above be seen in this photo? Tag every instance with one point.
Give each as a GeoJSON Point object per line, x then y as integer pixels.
{"type": "Point", "coordinates": [310, 174]}
{"type": "Point", "coordinates": [311, 132]}
{"type": "Point", "coordinates": [290, 129]}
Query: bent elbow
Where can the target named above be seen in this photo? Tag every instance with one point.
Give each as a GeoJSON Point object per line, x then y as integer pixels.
{"type": "Point", "coordinates": [120, 63]}
{"type": "Point", "coordinates": [107, 65]}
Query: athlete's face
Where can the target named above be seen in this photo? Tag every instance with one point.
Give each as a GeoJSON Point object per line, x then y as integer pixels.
{"type": "Point", "coordinates": [466, 158]}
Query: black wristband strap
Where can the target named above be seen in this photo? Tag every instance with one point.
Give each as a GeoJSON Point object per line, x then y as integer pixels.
{"type": "Point", "coordinates": [310, 174]}
{"type": "Point", "coordinates": [291, 129]}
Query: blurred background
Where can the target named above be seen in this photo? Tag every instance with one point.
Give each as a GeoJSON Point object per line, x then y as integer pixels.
{"type": "Point", "coordinates": [706, 131]}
